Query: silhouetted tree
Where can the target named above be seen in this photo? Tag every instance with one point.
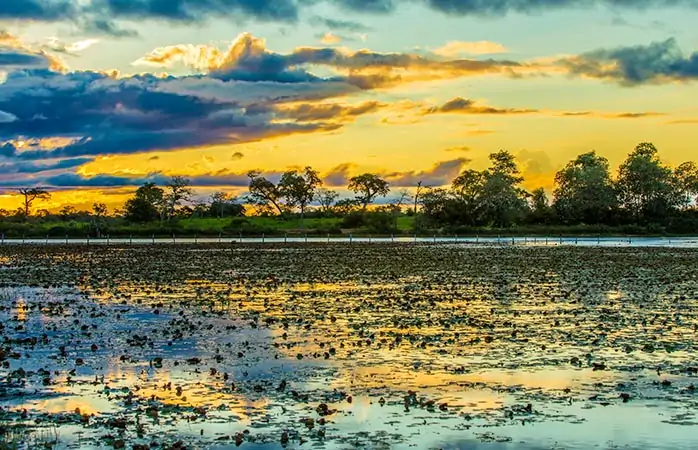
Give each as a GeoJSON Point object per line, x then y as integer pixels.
{"type": "Point", "coordinates": [178, 190]}
{"type": "Point", "coordinates": [368, 187]}
{"type": "Point", "coordinates": [32, 194]}
{"type": "Point", "coordinates": [326, 198]}
{"type": "Point", "coordinates": [147, 204]}
{"type": "Point", "coordinates": [298, 188]}
{"type": "Point", "coordinates": [263, 192]}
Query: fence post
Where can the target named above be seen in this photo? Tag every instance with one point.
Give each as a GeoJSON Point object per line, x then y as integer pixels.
{"type": "Point", "coordinates": [153, 238]}
{"type": "Point", "coordinates": [262, 238]}
{"type": "Point", "coordinates": [369, 238]}
{"type": "Point", "coordinates": [23, 239]}
{"type": "Point", "coordinates": [196, 238]}
{"type": "Point", "coordinates": [88, 239]}
{"type": "Point", "coordinates": [434, 238]}
{"type": "Point", "coordinates": [47, 238]}
{"type": "Point", "coordinates": [415, 237]}
{"type": "Point", "coordinates": [546, 240]}
{"type": "Point", "coordinates": [66, 239]}
{"type": "Point", "coordinates": [285, 238]}
{"type": "Point", "coordinates": [328, 238]}
{"type": "Point", "coordinates": [598, 240]}
{"type": "Point", "coordinates": [477, 238]}
{"type": "Point", "coordinates": [219, 238]}
{"type": "Point", "coordinates": [174, 239]}
{"type": "Point", "coordinates": [392, 238]}
{"type": "Point", "coordinates": [560, 239]}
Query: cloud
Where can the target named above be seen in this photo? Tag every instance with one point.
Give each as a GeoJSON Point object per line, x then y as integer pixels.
{"type": "Point", "coordinates": [683, 122]}
{"type": "Point", "coordinates": [54, 44]}
{"type": "Point", "coordinates": [313, 112]}
{"type": "Point", "coordinates": [340, 25]}
{"type": "Point", "coordinates": [440, 174]}
{"type": "Point", "coordinates": [656, 63]}
{"type": "Point", "coordinates": [330, 38]}
{"type": "Point", "coordinates": [503, 7]}
{"type": "Point", "coordinates": [17, 55]}
{"type": "Point", "coordinates": [624, 115]}
{"type": "Point", "coordinates": [460, 105]}
{"type": "Point", "coordinates": [458, 149]}
{"type": "Point", "coordinates": [100, 15]}
{"type": "Point", "coordinates": [6, 117]}
{"type": "Point", "coordinates": [105, 115]}
{"type": "Point", "coordinates": [339, 175]}
{"type": "Point", "coordinates": [34, 168]}
{"type": "Point", "coordinates": [248, 59]}
{"type": "Point", "coordinates": [457, 48]}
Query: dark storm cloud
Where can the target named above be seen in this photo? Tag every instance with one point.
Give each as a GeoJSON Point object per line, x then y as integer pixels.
{"type": "Point", "coordinates": [31, 167]}
{"type": "Point", "coordinates": [658, 62]}
{"type": "Point", "coordinates": [12, 58]}
{"type": "Point", "coordinates": [104, 115]}
{"type": "Point", "coordinates": [188, 11]}
{"type": "Point", "coordinates": [47, 10]}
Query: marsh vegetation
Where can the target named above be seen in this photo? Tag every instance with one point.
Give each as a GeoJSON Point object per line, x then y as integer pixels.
{"type": "Point", "coordinates": [339, 346]}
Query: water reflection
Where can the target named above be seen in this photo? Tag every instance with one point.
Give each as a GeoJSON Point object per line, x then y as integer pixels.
{"type": "Point", "coordinates": [508, 355]}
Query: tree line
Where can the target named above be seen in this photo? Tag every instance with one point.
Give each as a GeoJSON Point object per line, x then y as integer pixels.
{"type": "Point", "coordinates": [644, 192]}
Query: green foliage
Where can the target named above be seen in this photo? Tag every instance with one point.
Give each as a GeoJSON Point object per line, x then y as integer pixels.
{"type": "Point", "coordinates": [584, 191]}
{"type": "Point", "coordinates": [646, 187]}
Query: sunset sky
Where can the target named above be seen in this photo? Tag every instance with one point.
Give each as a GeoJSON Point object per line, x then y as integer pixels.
{"type": "Point", "coordinates": [99, 96]}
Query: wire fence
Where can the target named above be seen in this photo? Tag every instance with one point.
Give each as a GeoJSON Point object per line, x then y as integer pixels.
{"type": "Point", "coordinates": [599, 241]}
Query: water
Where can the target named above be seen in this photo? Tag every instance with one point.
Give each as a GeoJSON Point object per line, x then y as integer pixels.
{"type": "Point", "coordinates": [405, 346]}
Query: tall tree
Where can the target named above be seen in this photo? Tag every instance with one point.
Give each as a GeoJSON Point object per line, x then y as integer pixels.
{"type": "Point", "coordinates": [645, 185]}
{"type": "Point", "coordinates": [686, 179]}
{"type": "Point", "coordinates": [502, 199]}
{"type": "Point", "coordinates": [219, 203]}
{"type": "Point", "coordinates": [326, 198]}
{"type": "Point", "coordinates": [417, 193]}
{"type": "Point", "coordinates": [263, 192]}
{"type": "Point", "coordinates": [368, 187]}
{"type": "Point", "coordinates": [178, 190]}
{"type": "Point", "coordinates": [146, 205]}
{"type": "Point", "coordinates": [99, 210]}
{"type": "Point", "coordinates": [298, 188]}
{"type": "Point", "coordinates": [31, 195]}
{"type": "Point", "coordinates": [541, 212]}
{"type": "Point", "coordinates": [467, 189]}
{"type": "Point", "coordinates": [584, 191]}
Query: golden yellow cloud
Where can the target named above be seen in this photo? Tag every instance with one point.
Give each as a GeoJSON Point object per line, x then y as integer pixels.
{"type": "Point", "coordinates": [458, 48]}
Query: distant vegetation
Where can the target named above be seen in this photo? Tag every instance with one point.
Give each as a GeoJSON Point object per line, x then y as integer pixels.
{"type": "Point", "coordinates": [644, 197]}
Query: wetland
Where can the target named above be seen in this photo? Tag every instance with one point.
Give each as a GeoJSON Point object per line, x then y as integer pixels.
{"type": "Point", "coordinates": [338, 346]}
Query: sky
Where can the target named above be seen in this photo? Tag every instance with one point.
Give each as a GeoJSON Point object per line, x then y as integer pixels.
{"type": "Point", "coordinates": [99, 96]}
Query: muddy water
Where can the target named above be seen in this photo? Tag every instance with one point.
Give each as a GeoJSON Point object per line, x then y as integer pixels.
{"type": "Point", "coordinates": [338, 346]}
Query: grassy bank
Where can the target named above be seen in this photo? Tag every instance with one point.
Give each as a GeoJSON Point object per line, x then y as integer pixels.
{"type": "Point", "coordinates": [274, 226]}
